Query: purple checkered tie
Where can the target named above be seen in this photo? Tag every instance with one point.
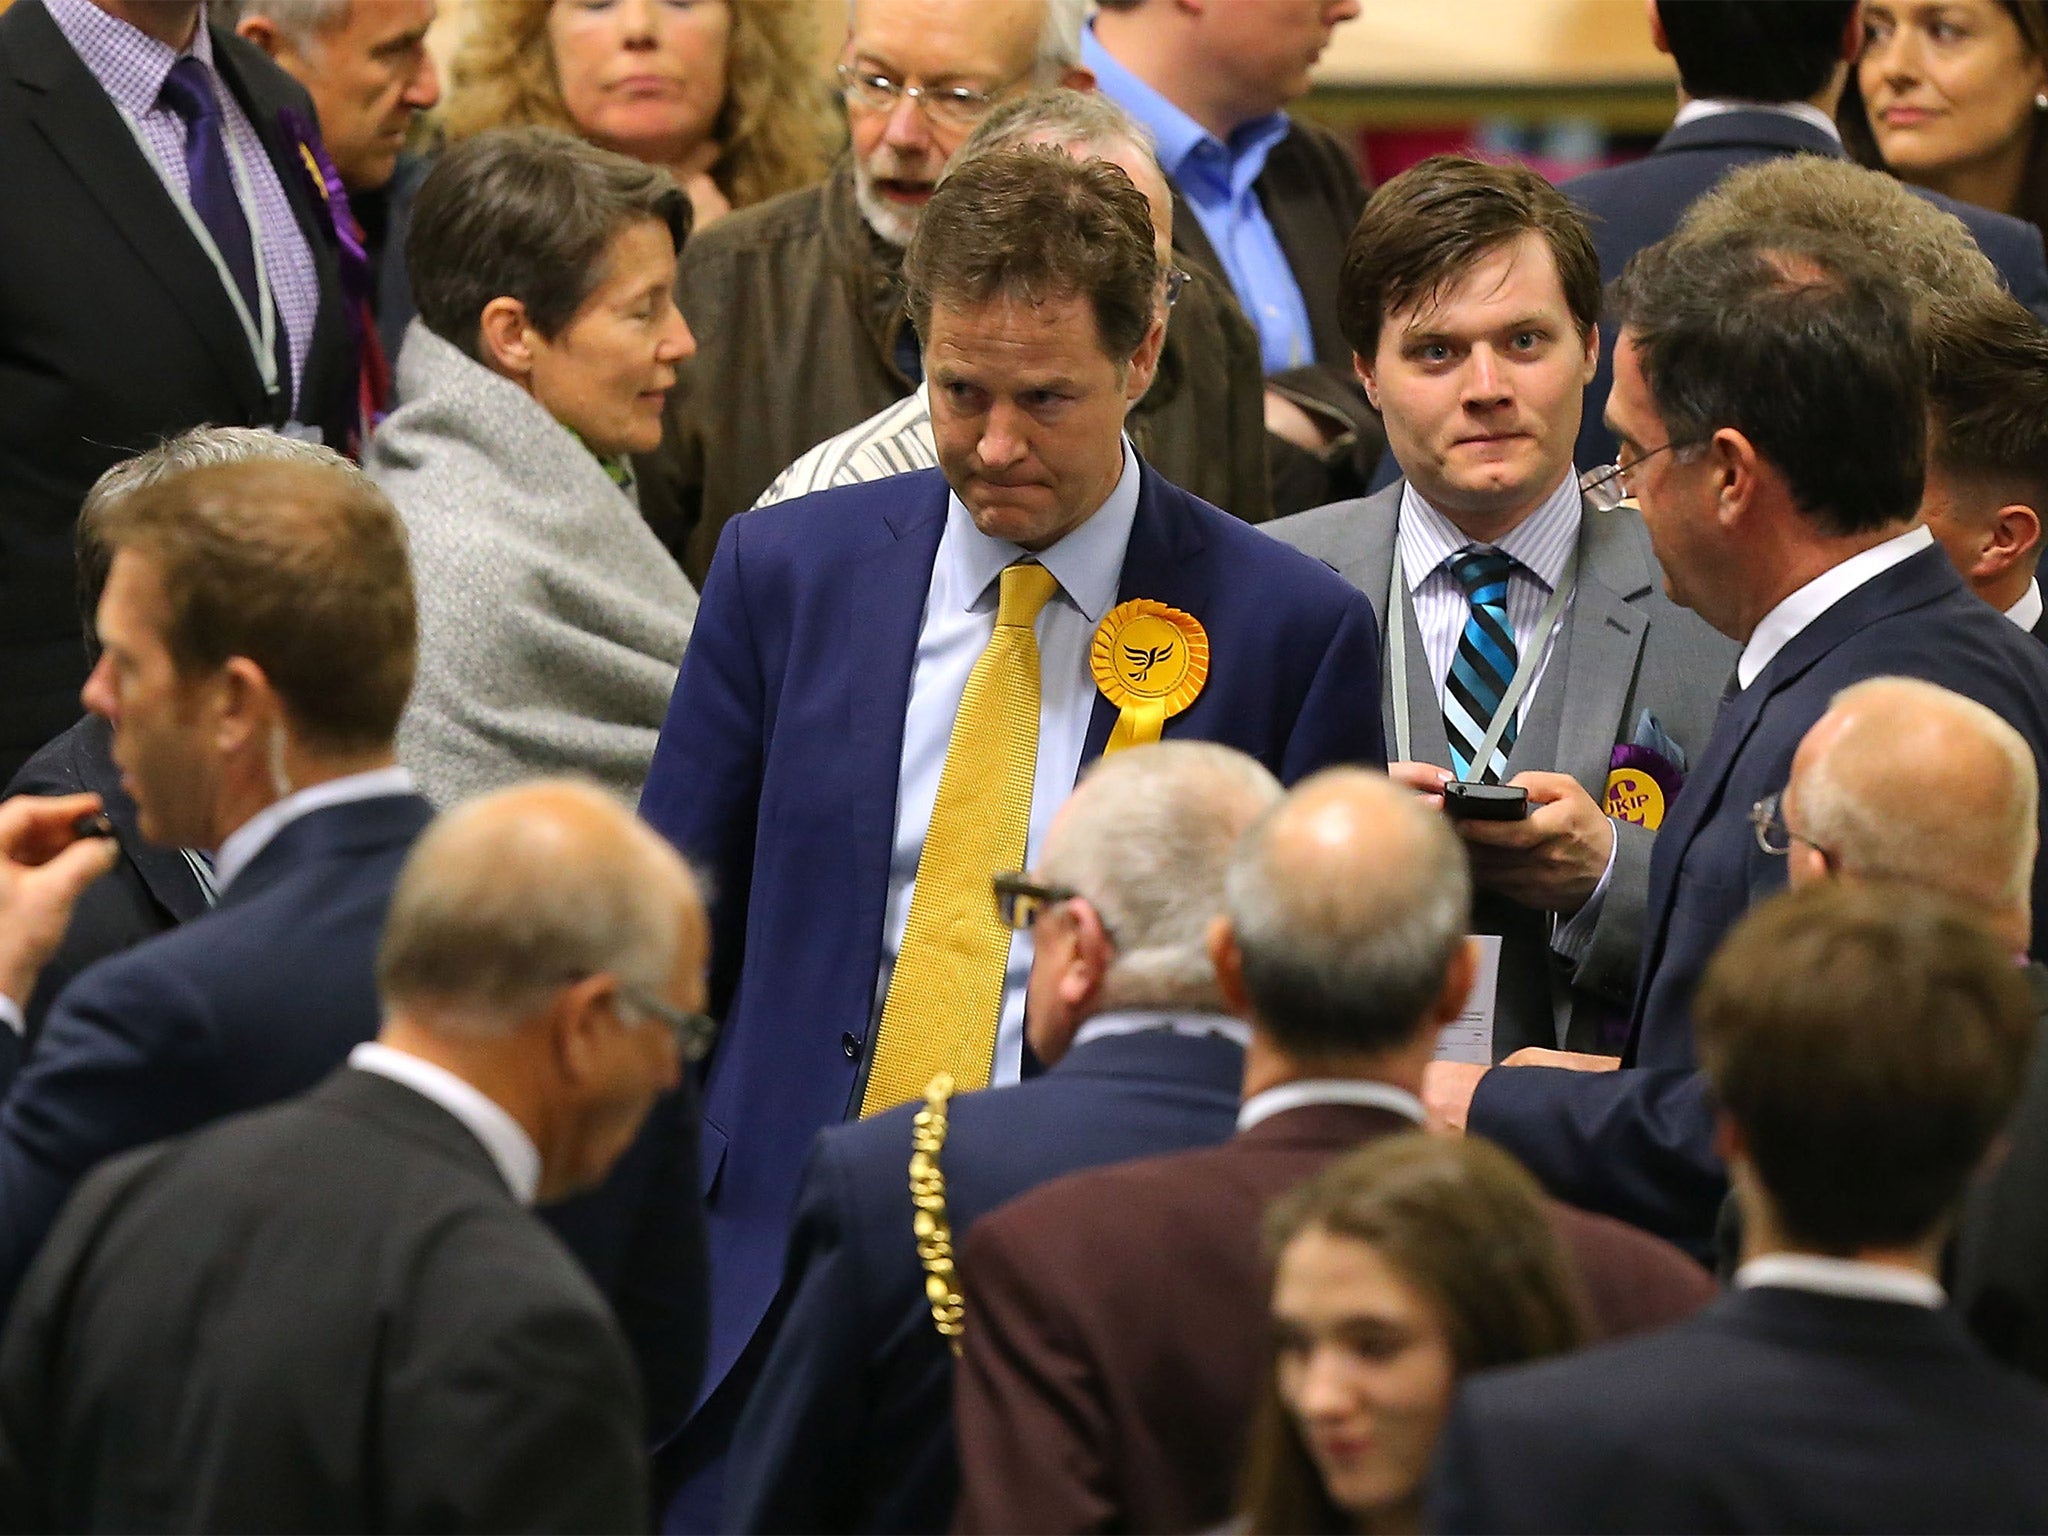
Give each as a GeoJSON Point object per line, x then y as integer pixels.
{"type": "Point", "coordinates": [187, 92]}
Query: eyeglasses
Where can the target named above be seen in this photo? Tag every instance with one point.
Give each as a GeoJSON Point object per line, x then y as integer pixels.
{"type": "Point", "coordinates": [957, 106]}
{"type": "Point", "coordinates": [1774, 836]}
{"type": "Point", "coordinates": [694, 1032]}
{"type": "Point", "coordinates": [1022, 901]}
{"type": "Point", "coordinates": [1175, 281]}
{"type": "Point", "coordinates": [1609, 486]}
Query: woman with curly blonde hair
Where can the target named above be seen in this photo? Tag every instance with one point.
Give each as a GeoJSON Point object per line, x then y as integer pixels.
{"type": "Point", "coordinates": [726, 95]}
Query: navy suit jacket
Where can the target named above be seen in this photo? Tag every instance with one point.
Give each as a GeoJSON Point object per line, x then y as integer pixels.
{"type": "Point", "coordinates": [777, 770]}
{"type": "Point", "coordinates": [1639, 203]}
{"type": "Point", "coordinates": [1772, 1410]}
{"type": "Point", "coordinates": [850, 1427]}
{"type": "Point", "coordinates": [1637, 1143]}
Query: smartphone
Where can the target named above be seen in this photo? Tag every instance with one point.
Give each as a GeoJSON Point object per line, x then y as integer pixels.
{"type": "Point", "coordinates": [1485, 802]}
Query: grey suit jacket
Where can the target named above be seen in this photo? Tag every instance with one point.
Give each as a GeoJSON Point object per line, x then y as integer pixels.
{"type": "Point", "coordinates": [1626, 648]}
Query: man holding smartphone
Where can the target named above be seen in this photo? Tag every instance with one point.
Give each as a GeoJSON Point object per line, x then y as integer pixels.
{"type": "Point", "coordinates": [1540, 686]}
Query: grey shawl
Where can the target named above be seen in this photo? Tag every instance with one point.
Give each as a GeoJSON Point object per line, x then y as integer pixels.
{"type": "Point", "coordinates": [552, 620]}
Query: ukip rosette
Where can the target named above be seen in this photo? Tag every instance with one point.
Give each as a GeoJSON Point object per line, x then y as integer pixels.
{"type": "Point", "coordinates": [1151, 662]}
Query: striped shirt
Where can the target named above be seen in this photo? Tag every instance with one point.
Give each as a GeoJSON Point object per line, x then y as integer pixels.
{"type": "Point", "coordinates": [131, 67]}
{"type": "Point", "coordinates": [1539, 545]}
{"type": "Point", "coordinates": [894, 441]}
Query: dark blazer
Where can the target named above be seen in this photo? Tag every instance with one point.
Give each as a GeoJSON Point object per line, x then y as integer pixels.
{"type": "Point", "coordinates": [1312, 194]}
{"type": "Point", "coordinates": [2040, 629]}
{"type": "Point", "coordinates": [1773, 1410]}
{"type": "Point", "coordinates": [1639, 203]}
{"type": "Point", "coordinates": [333, 1316]}
{"type": "Point", "coordinates": [148, 890]}
{"type": "Point", "coordinates": [1638, 1143]}
{"type": "Point", "coordinates": [850, 1427]}
{"type": "Point", "coordinates": [1626, 648]}
{"type": "Point", "coordinates": [1084, 1402]}
{"type": "Point", "coordinates": [777, 771]}
{"type": "Point", "coordinates": [114, 333]}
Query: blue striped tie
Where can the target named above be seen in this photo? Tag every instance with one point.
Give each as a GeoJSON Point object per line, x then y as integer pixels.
{"type": "Point", "coordinates": [1484, 663]}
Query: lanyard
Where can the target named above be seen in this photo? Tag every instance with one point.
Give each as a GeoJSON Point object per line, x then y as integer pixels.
{"type": "Point", "coordinates": [1525, 670]}
{"type": "Point", "coordinates": [259, 330]}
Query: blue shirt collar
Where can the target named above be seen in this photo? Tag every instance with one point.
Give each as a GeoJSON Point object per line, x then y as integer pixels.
{"type": "Point", "coordinates": [1088, 563]}
{"type": "Point", "coordinates": [1177, 135]}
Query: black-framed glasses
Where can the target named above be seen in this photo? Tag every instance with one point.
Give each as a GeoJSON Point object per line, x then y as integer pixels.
{"type": "Point", "coordinates": [1609, 486]}
{"type": "Point", "coordinates": [1175, 281]}
{"type": "Point", "coordinates": [1022, 901]}
{"type": "Point", "coordinates": [959, 106]}
{"type": "Point", "coordinates": [1774, 835]}
{"type": "Point", "coordinates": [694, 1032]}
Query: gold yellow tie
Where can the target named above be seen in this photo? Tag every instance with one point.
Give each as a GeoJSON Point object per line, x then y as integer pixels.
{"type": "Point", "coordinates": [946, 993]}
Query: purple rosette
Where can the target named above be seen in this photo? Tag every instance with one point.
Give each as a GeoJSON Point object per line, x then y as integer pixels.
{"type": "Point", "coordinates": [1637, 806]}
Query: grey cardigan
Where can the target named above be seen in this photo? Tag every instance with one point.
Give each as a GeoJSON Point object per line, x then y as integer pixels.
{"type": "Point", "coordinates": [552, 620]}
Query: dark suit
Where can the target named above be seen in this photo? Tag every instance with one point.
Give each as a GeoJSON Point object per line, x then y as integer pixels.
{"type": "Point", "coordinates": [1625, 648]}
{"type": "Point", "coordinates": [1639, 203]}
{"type": "Point", "coordinates": [1638, 1143]}
{"type": "Point", "coordinates": [148, 890]}
{"type": "Point", "coordinates": [115, 332]}
{"type": "Point", "coordinates": [777, 773]}
{"type": "Point", "coordinates": [2040, 629]}
{"type": "Point", "coordinates": [1116, 1338]}
{"type": "Point", "coordinates": [331, 1315]}
{"type": "Point", "coordinates": [1773, 1410]}
{"type": "Point", "coordinates": [851, 1425]}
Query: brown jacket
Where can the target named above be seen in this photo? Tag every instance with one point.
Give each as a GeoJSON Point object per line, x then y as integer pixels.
{"type": "Point", "coordinates": [797, 309]}
{"type": "Point", "coordinates": [1116, 1334]}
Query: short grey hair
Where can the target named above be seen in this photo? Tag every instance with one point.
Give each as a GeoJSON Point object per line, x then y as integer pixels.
{"type": "Point", "coordinates": [298, 20]}
{"type": "Point", "coordinates": [508, 897]}
{"type": "Point", "coordinates": [1146, 839]}
{"type": "Point", "coordinates": [1059, 36]}
{"type": "Point", "coordinates": [1063, 116]}
{"type": "Point", "coordinates": [1928, 788]}
{"type": "Point", "coordinates": [198, 448]}
{"type": "Point", "coordinates": [1347, 902]}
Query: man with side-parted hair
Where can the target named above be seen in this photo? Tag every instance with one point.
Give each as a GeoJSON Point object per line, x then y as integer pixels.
{"type": "Point", "coordinates": [892, 687]}
{"type": "Point", "coordinates": [1865, 1043]}
{"type": "Point", "coordinates": [1520, 609]}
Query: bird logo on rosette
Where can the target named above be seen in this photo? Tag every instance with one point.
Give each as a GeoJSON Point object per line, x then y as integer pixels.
{"type": "Point", "coordinates": [1151, 662]}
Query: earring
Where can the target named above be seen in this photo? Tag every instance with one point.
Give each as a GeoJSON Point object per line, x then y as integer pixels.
{"type": "Point", "coordinates": [2041, 101]}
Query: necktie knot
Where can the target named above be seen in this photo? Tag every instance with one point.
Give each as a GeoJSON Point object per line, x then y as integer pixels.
{"type": "Point", "coordinates": [1483, 573]}
{"type": "Point", "coordinates": [1026, 588]}
{"type": "Point", "coordinates": [187, 93]}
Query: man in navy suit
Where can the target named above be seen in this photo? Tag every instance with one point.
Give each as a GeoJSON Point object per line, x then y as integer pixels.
{"type": "Point", "coordinates": [1758, 79]}
{"type": "Point", "coordinates": [1865, 1044]}
{"type": "Point", "coordinates": [805, 757]}
{"type": "Point", "coordinates": [1771, 411]}
{"type": "Point", "coordinates": [851, 1426]}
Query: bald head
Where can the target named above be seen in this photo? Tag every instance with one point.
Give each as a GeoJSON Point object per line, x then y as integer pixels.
{"type": "Point", "coordinates": [1088, 126]}
{"type": "Point", "coordinates": [1902, 780]}
{"type": "Point", "coordinates": [508, 897]}
{"type": "Point", "coordinates": [1348, 905]}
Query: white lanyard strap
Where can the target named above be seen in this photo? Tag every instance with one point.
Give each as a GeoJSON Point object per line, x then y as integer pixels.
{"type": "Point", "coordinates": [260, 330]}
{"type": "Point", "coordinates": [1525, 669]}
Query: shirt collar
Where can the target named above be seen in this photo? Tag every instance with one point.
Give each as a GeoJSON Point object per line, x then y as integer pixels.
{"type": "Point", "coordinates": [1841, 1277]}
{"type": "Point", "coordinates": [1177, 135]}
{"type": "Point", "coordinates": [2027, 611]}
{"type": "Point", "coordinates": [1088, 563]}
{"type": "Point", "coordinates": [254, 835]}
{"type": "Point", "coordinates": [1329, 1090]}
{"type": "Point", "coordinates": [1784, 623]}
{"type": "Point", "coordinates": [1800, 111]}
{"type": "Point", "coordinates": [1138, 1021]}
{"type": "Point", "coordinates": [518, 1159]}
{"type": "Point", "coordinates": [130, 65]}
{"type": "Point", "coordinates": [1540, 543]}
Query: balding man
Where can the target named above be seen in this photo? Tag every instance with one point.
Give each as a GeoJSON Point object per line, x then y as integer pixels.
{"type": "Point", "coordinates": [818, 273]}
{"type": "Point", "coordinates": [850, 1427]}
{"type": "Point", "coordinates": [336, 1312]}
{"type": "Point", "coordinates": [1115, 1336]}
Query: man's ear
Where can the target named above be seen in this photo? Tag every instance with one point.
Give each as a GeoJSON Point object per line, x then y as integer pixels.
{"type": "Point", "coordinates": [1366, 379]}
{"type": "Point", "coordinates": [1592, 355]}
{"type": "Point", "coordinates": [1092, 955]}
{"type": "Point", "coordinates": [505, 338]}
{"type": "Point", "coordinates": [1459, 977]}
{"type": "Point", "coordinates": [1741, 470]}
{"type": "Point", "coordinates": [1658, 40]}
{"type": "Point", "coordinates": [1144, 366]}
{"type": "Point", "coordinates": [1228, 961]}
{"type": "Point", "coordinates": [263, 32]}
{"type": "Point", "coordinates": [244, 705]}
{"type": "Point", "coordinates": [578, 1023]}
{"type": "Point", "coordinates": [2015, 534]}
{"type": "Point", "coordinates": [1077, 78]}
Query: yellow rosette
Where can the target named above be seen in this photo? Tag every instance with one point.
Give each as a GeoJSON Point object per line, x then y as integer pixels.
{"type": "Point", "coordinates": [1151, 662]}
{"type": "Point", "coordinates": [1633, 795]}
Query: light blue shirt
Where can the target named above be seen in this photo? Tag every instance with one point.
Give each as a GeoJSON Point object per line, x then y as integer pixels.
{"type": "Point", "coordinates": [959, 620]}
{"type": "Point", "coordinates": [1216, 179]}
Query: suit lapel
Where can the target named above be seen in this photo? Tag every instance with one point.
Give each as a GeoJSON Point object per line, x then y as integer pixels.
{"type": "Point", "coordinates": [85, 130]}
{"type": "Point", "coordinates": [1603, 646]}
{"type": "Point", "coordinates": [1159, 564]}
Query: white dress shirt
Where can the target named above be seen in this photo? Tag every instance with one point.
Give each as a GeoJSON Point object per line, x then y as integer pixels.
{"type": "Point", "coordinates": [1138, 1021]}
{"type": "Point", "coordinates": [1786, 622]}
{"type": "Point", "coordinates": [2027, 611]}
{"type": "Point", "coordinates": [254, 835]}
{"type": "Point", "coordinates": [1841, 1277]}
{"type": "Point", "coordinates": [518, 1159]}
{"type": "Point", "coordinates": [1800, 111]}
{"type": "Point", "coordinates": [959, 620]}
{"type": "Point", "coordinates": [1329, 1090]}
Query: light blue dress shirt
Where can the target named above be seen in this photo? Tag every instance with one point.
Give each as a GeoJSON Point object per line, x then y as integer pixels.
{"type": "Point", "coordinates": [1216, 179]}
{"type": "Point", "coordinates": [959, 619]}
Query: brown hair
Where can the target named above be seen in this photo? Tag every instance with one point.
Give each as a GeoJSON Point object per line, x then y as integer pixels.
{"type": "Point", "coordinates": [1430, 225]}
{"type": "Point", "coordinates": [1463, 1223]}
{"type": "Point", "coordinates": [525, 213]}
{"type": "Point", "coordinates": [1987, 396]}
{"type": "Point", "coordinates": [776, 131]}
{"type": "Point", "coordinates": [1033, 223]}
{"type": "Point", "coordinates": [300, 568]}
{"type": "Point", "coordinates": [1868, 1040]}
{"type": "Point", "coordinates": [1852, 117]}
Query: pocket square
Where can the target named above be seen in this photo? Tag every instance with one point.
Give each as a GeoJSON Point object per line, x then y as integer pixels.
{"type": "Point", "coordinates": [1644, 775]}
